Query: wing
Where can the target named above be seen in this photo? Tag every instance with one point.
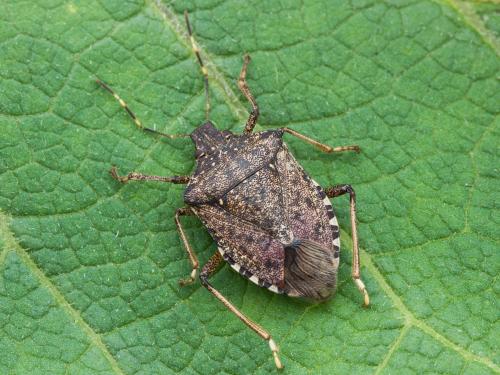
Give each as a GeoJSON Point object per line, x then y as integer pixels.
{"type": "Point", "coordinates": [308, 210]}
{"type": "Point", "coordinates": [312, 260]}
{"type": "Point", "coordinates": [248, 249]}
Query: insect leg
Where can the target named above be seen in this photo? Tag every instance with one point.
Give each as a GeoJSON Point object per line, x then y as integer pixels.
{"type": "Point", "coordinates": [142, 177]}
{"type": "Point", "coordinates": [184, 211]}
{"type": "Point", "coordinates": [204, 70]}
{"type": "Point", "coordinates": [132, 115]}
{"type": "Point", "coordinates": [321, 146]}
{"type": "Point", "coordinates": [336, 191]}
{"type": "Point", "coordinates": [209, 269]}
{"type": "Point", "coordinates": [242, 83]}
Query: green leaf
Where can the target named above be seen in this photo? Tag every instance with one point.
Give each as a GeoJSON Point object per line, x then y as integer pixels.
{"type": "Point", "coordinates": [40, 333]}
{"type": "Point", "coordinates": [89, 268]}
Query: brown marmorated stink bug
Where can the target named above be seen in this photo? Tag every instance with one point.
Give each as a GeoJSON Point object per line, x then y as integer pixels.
{"type": "Point", "coordinates": [272, 223]}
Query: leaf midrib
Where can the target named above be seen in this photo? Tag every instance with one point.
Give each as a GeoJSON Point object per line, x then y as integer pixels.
{"type": "Point", "coordinates": [471, 19]}
{"type": "Point", "coordinates": [11, 244]}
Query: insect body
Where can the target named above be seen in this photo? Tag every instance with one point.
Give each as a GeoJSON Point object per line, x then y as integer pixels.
{"type": "Point", "coordinates": [272, 223]}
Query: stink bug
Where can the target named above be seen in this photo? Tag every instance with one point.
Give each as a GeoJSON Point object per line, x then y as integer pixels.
{"type": "Point", "coordinates": [272, 223]}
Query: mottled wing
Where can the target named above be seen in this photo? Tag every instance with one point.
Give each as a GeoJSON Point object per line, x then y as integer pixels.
{"type": "Point", "coordinates": [312, 260]}
{"type": "Point", "coordinates": [309, 212]}
{"type": "Point", "coordinates": [250, 250]}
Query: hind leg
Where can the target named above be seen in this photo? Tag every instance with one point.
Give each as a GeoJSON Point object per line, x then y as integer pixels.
{"type": "Point", "coordinates": [208, 270]}
{"type": "Point", "coordinates": [336, 191]}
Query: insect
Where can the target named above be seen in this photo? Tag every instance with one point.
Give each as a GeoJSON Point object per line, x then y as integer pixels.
{"type": "Point", "coordinates": [272, 223]}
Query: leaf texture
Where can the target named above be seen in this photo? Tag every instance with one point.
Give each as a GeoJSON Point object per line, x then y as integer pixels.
{"type": "Point", "coordinates": [89, 268]}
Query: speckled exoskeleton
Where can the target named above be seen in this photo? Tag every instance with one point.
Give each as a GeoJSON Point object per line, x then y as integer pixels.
{"type": "Point", "coordinates": [272, 223]}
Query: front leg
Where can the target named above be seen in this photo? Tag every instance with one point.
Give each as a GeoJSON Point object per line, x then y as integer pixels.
{"type": "Point", "coordinates": [242, 84]}
{"type": "Point", "coordinates": [321, 146]}
{"type": "Point", "coordinates": [336, 191]}
{"type": "Point", "coordinates": [142, 177]}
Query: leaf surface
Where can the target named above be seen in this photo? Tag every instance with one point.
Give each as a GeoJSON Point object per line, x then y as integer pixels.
{"type": "Point", "coordinates": [89, 268]}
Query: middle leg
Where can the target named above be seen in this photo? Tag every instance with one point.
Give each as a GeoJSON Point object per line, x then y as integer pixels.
{"type": "Point", "coordinates": [321, 146]}
{"type": "Point", "coordinates": [184, 211]}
